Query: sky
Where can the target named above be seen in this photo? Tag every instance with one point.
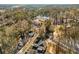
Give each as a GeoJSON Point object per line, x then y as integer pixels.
{"type": "Point", "coordinates": [39, 1]}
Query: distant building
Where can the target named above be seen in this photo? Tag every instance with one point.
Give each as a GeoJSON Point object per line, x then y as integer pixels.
{"type": "Point", "coordinates": [42, 17]}
{"type": "Point", "coordinates": [39, 19]}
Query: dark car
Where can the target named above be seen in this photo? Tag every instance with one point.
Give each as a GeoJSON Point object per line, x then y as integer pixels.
{"type": "Point", "coordinates": [31, 33]}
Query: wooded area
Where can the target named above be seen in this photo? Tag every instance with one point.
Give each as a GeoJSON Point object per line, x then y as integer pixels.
{"type": "Point", "coordinates": [45, 30]}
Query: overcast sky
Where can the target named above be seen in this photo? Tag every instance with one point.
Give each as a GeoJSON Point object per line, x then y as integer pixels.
{"type": "Point", "coordinates": [39, 1]}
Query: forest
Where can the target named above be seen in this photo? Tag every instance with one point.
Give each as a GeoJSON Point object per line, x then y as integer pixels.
{"type": "Point", "coordinates": [43, 30]}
